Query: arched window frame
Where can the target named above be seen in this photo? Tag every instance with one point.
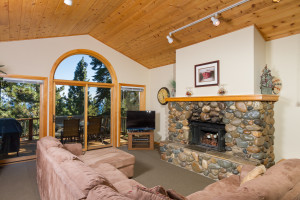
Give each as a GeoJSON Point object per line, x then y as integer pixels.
{"type": "Point", "coordinates": [113, 86]}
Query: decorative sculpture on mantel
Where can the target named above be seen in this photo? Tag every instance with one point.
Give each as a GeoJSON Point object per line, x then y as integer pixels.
{"type": "Point", "coordinates": [266, 84]}
{"type": "Point", "coordinates": [269, 84]}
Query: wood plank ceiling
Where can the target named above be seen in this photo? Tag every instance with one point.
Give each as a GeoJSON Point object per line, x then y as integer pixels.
{"type": "Point", "coordinates": [138, 28]}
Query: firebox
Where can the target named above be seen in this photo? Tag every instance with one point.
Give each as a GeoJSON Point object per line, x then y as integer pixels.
{"type": "Point", "coordinates": [207, 135]}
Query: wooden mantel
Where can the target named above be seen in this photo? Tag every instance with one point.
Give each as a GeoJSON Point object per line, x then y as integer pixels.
{"type": "Point", "coordinates": [253, 97]}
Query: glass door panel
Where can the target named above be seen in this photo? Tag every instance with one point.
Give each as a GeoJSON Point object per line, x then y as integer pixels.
{"type": "Point", "coordinates": [19, 117]}
{"type": "Point", "coordinates": [130, 101]}
{"type": "Point", "coordinates": [99, 117]}
{"type": "Point", "coordinates": [69, 113]}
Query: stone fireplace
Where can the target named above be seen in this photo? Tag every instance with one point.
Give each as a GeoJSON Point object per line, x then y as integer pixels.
{"type": "Point", "coordinates": [214, 136]}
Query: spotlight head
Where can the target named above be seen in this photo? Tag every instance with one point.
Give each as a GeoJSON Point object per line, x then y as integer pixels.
{"type": "Point", "coordinates": [215, 21]}
{"type": "Point", "coordinates": [170, 40]}
{"type": "Point", "coordinates": [68, 2]}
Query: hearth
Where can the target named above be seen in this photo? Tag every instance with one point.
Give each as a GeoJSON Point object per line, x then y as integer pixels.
{"type": "Point", "coordinates": [207, 135]}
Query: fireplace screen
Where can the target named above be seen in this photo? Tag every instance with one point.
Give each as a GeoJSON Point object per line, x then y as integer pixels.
{"type": "Point", "coordinates": [208, 135]}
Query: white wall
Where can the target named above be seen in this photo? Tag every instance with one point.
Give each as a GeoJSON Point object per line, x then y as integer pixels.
{"type": "Point", "coordinates": [160, 77]}
{"type": "Point", "coordinates": [283, 58]}
{"type": "Point", "coordinates": [259, 59]}
{"type": "Point", "coordinates": [236, 54]}
{"type": "Point", "coordinates": [36, 58]}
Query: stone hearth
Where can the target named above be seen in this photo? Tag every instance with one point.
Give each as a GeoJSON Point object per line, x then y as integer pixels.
{"type": "Point", "coordinates": [249, 138]}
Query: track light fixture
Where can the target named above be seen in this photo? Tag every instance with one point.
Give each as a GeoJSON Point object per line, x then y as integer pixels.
{"type": "Point", "coordinates": [215, 21]}
{"type": "Point", "coordinates": [212, 16]}
{"type": "Point", "coordinates": [170, 40]}
{"type": "Point", "coordinates": [68, 2]}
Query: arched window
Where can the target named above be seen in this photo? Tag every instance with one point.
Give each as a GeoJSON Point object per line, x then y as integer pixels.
{"type": "Point", "coordinates": [82, 67]}
{"type": "Point", "coordinates": [84, 94]}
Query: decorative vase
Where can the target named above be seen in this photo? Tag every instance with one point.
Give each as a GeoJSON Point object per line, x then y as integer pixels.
{"type": "Point", "coordinates": [222, 90]}
{"type": "Point", "coordinates": [189, 91]}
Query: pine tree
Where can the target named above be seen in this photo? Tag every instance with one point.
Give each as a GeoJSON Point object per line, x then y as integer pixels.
{"type": "Point", "coordinates": [102, 75]}
{"type": "Point", "coordinates": [76, 93]}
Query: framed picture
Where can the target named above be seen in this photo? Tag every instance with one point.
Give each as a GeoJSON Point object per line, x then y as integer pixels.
{"type": "Point", "coordinates": [207, 74]}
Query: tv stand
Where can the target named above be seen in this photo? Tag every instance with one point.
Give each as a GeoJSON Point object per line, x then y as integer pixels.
{"type": "Point", "coordinates": [141, 140]}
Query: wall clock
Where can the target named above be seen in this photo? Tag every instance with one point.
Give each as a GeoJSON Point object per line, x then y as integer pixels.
{"type": "Point", "coordinates": [162, 94]}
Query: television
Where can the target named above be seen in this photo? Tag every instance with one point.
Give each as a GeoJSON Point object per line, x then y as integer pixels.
{"type": "Point", "coordinates": [140, 120]}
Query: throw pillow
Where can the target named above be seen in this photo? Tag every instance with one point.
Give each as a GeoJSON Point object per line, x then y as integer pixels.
{"type": "Point", "coordinates": [60, 154]}
{"type": "Point", "coordinates": [257, 171]}
{"type": "Point", "coordinates": [49, 141]}
{"type": "Point", "coordinates": [172, 194]}
{"type": "Point", "coordinates": [155, 193]}
{"type": "Point", "coordinates": [142, 193]}
{"type": "Point", "coordinates": [101, 192]}
{"type": "Point", "coordinates": [75, 148]}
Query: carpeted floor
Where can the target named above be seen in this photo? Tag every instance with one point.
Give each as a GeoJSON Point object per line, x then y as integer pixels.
{"type": "Point", "coordinates": [151, 171]}
{"type": "Point", "coordinates": [18, 181]}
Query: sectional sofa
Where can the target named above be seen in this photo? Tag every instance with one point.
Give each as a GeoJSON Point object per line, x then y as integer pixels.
{"type": "Point", "coordinates": [64, 173]}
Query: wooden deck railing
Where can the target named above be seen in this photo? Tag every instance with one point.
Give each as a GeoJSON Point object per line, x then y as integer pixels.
{"type": "Point", "coordinates": [23, 122]}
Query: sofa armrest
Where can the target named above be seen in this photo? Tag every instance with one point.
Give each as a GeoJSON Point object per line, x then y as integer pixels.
{"type": "Point", "coordinates": [75, 148]}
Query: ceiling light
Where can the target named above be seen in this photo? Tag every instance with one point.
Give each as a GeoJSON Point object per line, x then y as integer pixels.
{"type": "Point", "coordinates": [170, 40]}
{"type": "Point", "coordinates": [68, 2]}
{"type": "Point", "coordinates": [215, 21]}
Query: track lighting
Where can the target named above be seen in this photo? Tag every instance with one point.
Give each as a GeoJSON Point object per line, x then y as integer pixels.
{"type": "Point", "coordinates": [170, 40]}
{"type": "Point", "coordinates": [212, 16]}
{"type": "Point", "coordinates": [68, 2]}
{"type": "Point", "coordinates": [215, 21]}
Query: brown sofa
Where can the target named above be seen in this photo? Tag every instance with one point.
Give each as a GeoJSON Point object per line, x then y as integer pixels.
{"type": "Point", "coordinates": [282, 181]}
{"type": "Point", "coordinates": [63, 173]}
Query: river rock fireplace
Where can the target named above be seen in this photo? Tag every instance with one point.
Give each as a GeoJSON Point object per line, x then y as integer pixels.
{"type": "Point", "coordinates": [215, 136]}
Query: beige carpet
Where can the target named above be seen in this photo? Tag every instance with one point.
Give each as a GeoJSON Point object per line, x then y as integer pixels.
{"type": "Point", "coordinates": [151, 171]}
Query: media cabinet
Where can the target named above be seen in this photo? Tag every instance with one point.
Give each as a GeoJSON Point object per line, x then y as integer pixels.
{"type": "Point", "coordinates": [141, 140]}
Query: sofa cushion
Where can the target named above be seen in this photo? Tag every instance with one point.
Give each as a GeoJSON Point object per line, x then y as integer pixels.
{"type": "Point", "coordinates": [226, 185]}
{"type": "Point", "coordinates": [257, 171]}
{"type": "Point", "coordinates": [276, 182]}
{"type": "Point", "coordinates": [85, 177]}
{"type": "Point", "coordinates": [49, 141]}
{"type": "Point", "coordinates": [112, 174]}
{"type": "Point", "coordinates": [139, 193]}
{"type": "Point", "coordinates": [75, 148]}
{"type": "Point", "coordinates": [103, 192]}
{"type": "Point", "coordinates": [113, 156]}
{"type": "Point", "coordinates": [293, 193]}
{"type": "Point", "coordinates": [126, 185]}
{"type": "Point", "coordinates": [60, 154]}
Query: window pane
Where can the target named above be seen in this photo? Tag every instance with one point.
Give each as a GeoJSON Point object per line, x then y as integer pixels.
{"type": "Point", "coordinates": [81, 67]}
{"type": "Point", "coordinates": [99, 117]}
{"type": "Point", "coordinates": [69, 113]}
{"type": "Point", "coordinates": [130, 100]}
{"type": "Point", "coordinates": [21, 101]}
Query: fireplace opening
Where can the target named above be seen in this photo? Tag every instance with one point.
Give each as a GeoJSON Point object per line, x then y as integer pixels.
{"type": "Point", "coordinates": [207, 135]}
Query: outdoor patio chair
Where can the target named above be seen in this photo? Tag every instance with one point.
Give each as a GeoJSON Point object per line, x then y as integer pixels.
{"type": "Point", "coordinates": [70, 130]}
{"type": "Point", "coordinates": [94, 126]}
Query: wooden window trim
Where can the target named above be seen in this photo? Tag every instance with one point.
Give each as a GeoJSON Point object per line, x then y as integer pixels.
{"type": "Point", "coordinates": [43, 99]}
{"type": "Point", "coordinates": [112, 85]}
{"type": "Point", "coordinates": [142, 104]}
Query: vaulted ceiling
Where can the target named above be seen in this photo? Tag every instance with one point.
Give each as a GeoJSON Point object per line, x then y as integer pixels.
{"type": "Point", "coordinates": [138, 28]}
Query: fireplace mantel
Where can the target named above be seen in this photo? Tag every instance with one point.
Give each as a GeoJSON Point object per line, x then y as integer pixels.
{"type": "Point", "coordinates": [253, 97]}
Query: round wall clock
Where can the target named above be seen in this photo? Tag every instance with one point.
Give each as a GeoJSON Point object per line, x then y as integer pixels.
{"type": "Point", "coordinates": [162, 94]}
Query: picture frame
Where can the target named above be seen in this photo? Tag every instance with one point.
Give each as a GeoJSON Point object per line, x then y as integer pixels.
{"type": "Point", "coordinates": [207, 74]}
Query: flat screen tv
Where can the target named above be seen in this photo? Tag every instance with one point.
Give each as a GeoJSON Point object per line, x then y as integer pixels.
{"type": "Point", "coordinates": [140, 120]}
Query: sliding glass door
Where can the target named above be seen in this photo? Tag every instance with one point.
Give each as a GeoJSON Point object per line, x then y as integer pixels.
{"type": "Point", "coordinates": [99, 117]}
